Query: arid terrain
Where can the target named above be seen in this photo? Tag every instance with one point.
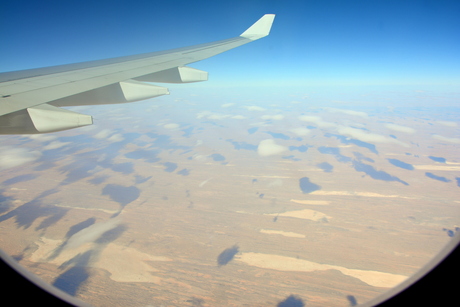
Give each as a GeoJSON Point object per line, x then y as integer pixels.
{"type": "Point", "coordinates": [234, 205]}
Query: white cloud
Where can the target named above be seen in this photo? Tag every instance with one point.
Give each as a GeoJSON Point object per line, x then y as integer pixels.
{"type": "Point", "coordinates": [55, 145]}
{"type": "Point", "coordinates": [254, 108]}
{"type": "Point", "coordinates": [226, 105]}
{"type": "Point", "coordinates": [348, 112]}
{"type": "Point", "coordinates": [367, 137]}
{"type": "Point", "coordinates": [239, 117]}
{"type": "Point", "coordinates": [106, 134]}
{"type": "Point", "coordinates": [211, 115]}
{"type": "Point", "coordinates": [276, 183]}
{"type": "Point", "coordinates": [317, 120]}
{"type": "Point", "coordinates": [203, 114]}
{"type": "Point", "coordinates": [171, 126]}
{"type": "Point", "coordinates": [269, 148]}
{"type": "Point", "coordinates": [11, 156]}
{"type": "Point", "coordinates": [446, 139]}
{"type": "Point", "coordinates": [42, 137]}
{"type": "Point", "coordinates": [274, 117]}
{"type": "Point", "coordinates": [400, 128]}
{"type": "Point", "coordinates": [116, 138]}
{"type": "Point", "coordinates": [103, 134]}
{"type": "Point", "coordinates": [218, 116]}
{"type": "Point", "coordinates": [300, 131]}
{"type": "Point", "coordinates": [447, 123]}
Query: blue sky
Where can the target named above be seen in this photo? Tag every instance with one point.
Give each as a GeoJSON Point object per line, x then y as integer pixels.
{"type": "Point", "coordinates": [319, 43]}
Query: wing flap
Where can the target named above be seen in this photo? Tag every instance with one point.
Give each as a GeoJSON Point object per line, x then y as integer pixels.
{"type": "Point", "coordinates": [181, 74]}
{"type": "Point", "coordinates": [42, 119]}
{"type": "Point", "coordinates": [121, 92]}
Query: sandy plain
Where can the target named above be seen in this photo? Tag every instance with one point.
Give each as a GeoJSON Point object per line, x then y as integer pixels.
{"type": "Point", "coordinates": [354, 237]}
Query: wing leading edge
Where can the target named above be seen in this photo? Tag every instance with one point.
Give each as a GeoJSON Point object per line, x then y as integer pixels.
{"type": "Point", "coordinates": [30, 100]}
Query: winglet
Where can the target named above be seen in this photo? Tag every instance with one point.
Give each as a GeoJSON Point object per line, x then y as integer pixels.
{"type": "Point", "coordinates": [260, 28]}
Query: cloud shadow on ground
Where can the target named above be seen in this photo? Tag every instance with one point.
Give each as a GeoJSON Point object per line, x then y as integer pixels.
{"type": "Point", "coordinates": [346, 140]}
{"type": "Point", "coordinates": [401, 164]}
{"type": "Point", "coordinates": [375, 174]}
{"type": "Point", "coordinates": [227, 255]}
{"type": "Point", "coordinates": [326, 167]}
{"type": "Point", "coordinates": [26, 214]}
{"type": "Point", "coordinates": [20, 178]}
{"type": "Point", "coordinates": [439, 178]}
{"type": "Point", "coordinates": [335, 151]}
{"type": "Point", "coordinates": [291, 301]}
{"type": "Point", "coordinates": [120, 194]}
{"type": "Point", "coordinates": [72, 279]}
{"type": "Point", "coordinates": [306, 186]}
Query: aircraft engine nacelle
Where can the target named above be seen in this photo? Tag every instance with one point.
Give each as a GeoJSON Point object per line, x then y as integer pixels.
{"type": "Point", "coordinates": [180, 74]}
{"type": "Point", "coordinates": [42, 119]}
{"type": "Point", "coordinates": [122, 92]}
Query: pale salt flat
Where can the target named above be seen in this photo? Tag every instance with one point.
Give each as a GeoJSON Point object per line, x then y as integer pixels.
{"type": "Point", "coordinates": [125, 264]}
{"type": "Point", "coordinates": [282, 263]}
{"type": "Point", "coordinates": [283, 233]}
{"type": "Point", "coordinates": [311, 202]}
{"type": "Point", "coordinates": [306, 214]}
{"type": "Point", "coordinates": [438, 167]}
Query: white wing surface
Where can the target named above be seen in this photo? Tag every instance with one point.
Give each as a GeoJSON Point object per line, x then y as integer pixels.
{"type": "Point", "coordinates": [30, 100]}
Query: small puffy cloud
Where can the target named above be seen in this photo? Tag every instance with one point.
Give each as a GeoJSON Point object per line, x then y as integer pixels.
{"type": "Point", "coordinates": [11, 156]}
{"type": "Point", "coordinates": [211, 115]}
{"type": "Point", "coordinates": [203, 114]}
{"type": "Point", "coordinates": [218, 116]}
{"type": "Point", "coordinates": [367, 137]}
{"type": "Point", "coordinates": [269, 148]}
{"type": "Point", "coordinates": [295, 102]}
{"type": "Point", "coordinates": [116, 138]}
{"type": "Point", "coordinates": [446, 139]}
{"type": "Point", "coordinates": [227, 105]}
{"type": "Point", "coordinates": [317, 120]}
{"type": "Point", "coordinates": [260, 124]}
{"type": "Point", "coordinates": [300, 131]}
{"type": "Point", "coordinates": [238, 117]}
{"type": "Point", "coordinates": [274, 117]}
{"type": "Point", "coordinates": [171, 126]}
{"type": "Point", "coordinates": [103, 134]}
{"type": "Point", "coordinates": [107, 134]}
{"type": "Point", "coordinates": [254, 108]}
{"type": "Point", "coordinates": [42, 137]}
{"type": "Point", "coordinates": [348, 112]}
{"type": "Point", "coordinates": [400, 128]}
{"type": "Point", "coordinates": [446, 123]}
{"type": "Point", "coordinates": [55, 145]}
{"type": "Point", "coordinates": [275, 183]}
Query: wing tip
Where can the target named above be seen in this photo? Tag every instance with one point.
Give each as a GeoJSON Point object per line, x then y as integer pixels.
{"type": "Point", "coordinates": [260, 28]}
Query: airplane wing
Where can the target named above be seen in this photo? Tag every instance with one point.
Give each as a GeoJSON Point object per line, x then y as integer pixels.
{"type": "Point", "coordinates": [30, 100]}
